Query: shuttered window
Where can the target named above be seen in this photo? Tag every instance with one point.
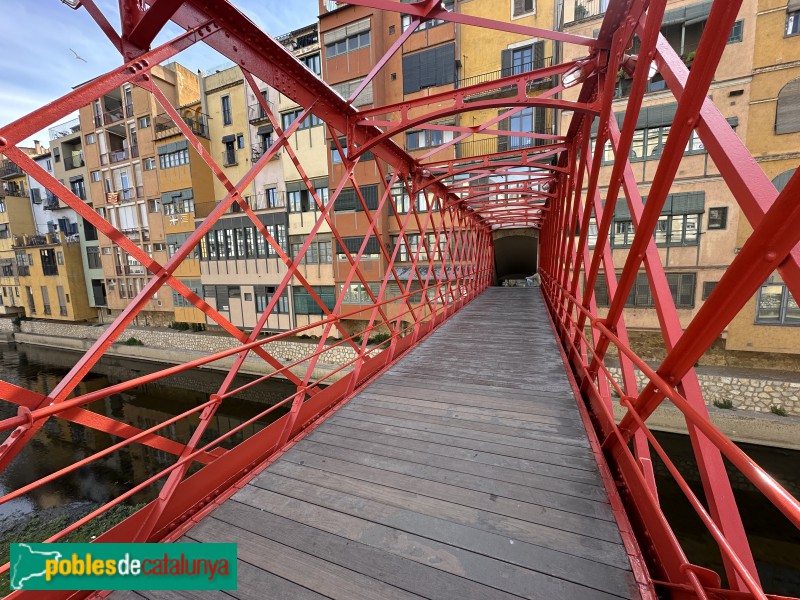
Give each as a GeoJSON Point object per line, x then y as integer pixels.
{"type": "Point", "coordinates": [515, 61]}
{"type": "Point", "coordinates": [346, 88]}
{"type": "Point", "coordinates": [787, 115]}
{"type": "Point", "coordinates": [429, 68]}
{"type": "Point", "coordinates": [681, 285]}
{"type": "Point", "coordinates": [353, 245]}
{"type": "Point", "coordinates": [349, 201]}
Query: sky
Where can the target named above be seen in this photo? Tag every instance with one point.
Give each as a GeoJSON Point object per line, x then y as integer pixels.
{"type": "Point", "coordinates": [40, 35]}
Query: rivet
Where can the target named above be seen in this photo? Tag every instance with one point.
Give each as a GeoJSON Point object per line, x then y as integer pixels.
{"type": "Point", "coordinates": [771, 255]}
{"type": "Point", "coordinates": [3, 141]}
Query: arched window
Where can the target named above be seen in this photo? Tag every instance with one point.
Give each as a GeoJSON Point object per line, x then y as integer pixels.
{"type": "Point", "coordinates": [787, 115]}
{"type": "Point", "coordinates": [781, 180]}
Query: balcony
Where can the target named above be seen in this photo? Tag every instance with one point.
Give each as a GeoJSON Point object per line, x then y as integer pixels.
{"type": "Point", "coordinates": [51, 202]}
{"type": "Point", "coordinates": [16, 192]}
{"type": "Point", "coordinates": [130, 193]}
{"type": "Point", "coordinates": [10, 169]}
{"type": "Point", "coordinates": [74, 161]}
{"type": "Point", "coordinates": [116, 156]}
{"type": "Point", "coordinates": [68, 129]}
{"type": "Point", "coordinates": [588, 9]}
{"type": "Point", "coordinates": [262, 201]}
{"type": "Point", "coordinates": [40, 240]}
{"type": "Point", "coordinates": [257, 115]}
{"type": "Point", "coordinates": [502, 143]}
{"type": "Point", "coordinates": [257, 150]}
{"type": "Point", "coordinates": [164, 126]}
{"type": "Point", "coordinates": [130, 270]}
{"type": "Point", "coordinates": [540, 63]}
{"type": "Point", "coordinates": [112, 116]}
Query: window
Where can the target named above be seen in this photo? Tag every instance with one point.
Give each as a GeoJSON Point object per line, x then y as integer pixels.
{"type": "Point", "coordinates": [737, 33]}
{"type": "Point", "coordinates": [271, 196]}
{"type": "Point", "coordinates": [93, 257]}
{"type": "Point", "coordinates": [718, 217]}
{"type": "Point", "coordinates": [793, 23]}
{"type": "Point", "coordinates": [787, 113]}
{"type": "Point", "coordinates": [312, 62]}
{"type": "Point", "coordinates": [227, 116]}
{"type": "Point", "coordinates": [173, 159]}
{"type": "Point", "coordinates": [708, 287]}
{"type": "Point", "coordinates": [153, 206]}
{"type": "Point", "coordinates": [336, 158]}
{"type": "Point", "coordinates": [299, 201]}
{"type": "Point", "coordinates": [144, 122]}
{"type": "Point", "coordinates": [263, 296]}
{"type": "Point", "coordinates": [240, 141]}
{"type": "Point", "coordinates": [349, 38]}
{"type": "Point", "coordinates": [357, 293]}
{"type": "Point", "coordinates": [149, 163]}
{"type": "Point", "coordinates": [427, 138]}
{"type": "Point", "coordinates": [288, 118]}
{"type": "Point", "coordinates": [179, 205]}
{"type": "Point", "coordinates": [408, 247]}
{"type": "Point", "coordinates": [406, 19]}
{"type": "Point", "coordinates": [349, 201]}
{"type": "Point", "coordinates": [90, 139]}
{"type": "Point", "coordinates": [522, 59]}
{"type": "Point", "coordinates": [522, 7]}
{"type": "Point", "coordinates": [678, 225]}
{"type": "Point", "coordinates": [776, 306]}
{"type": "Point", "coordinates": [353, 246]}
{"type": "Point", "coordinates": [305, 304]}
{"type": "Point", "coordinates": [193, 284]}
{"type": "Point", "coordinates": [2, 205]}
{"type": "Point", "coordinates": [429, 68]}
{"type": "Point", "coordinates": [348, 88]}
{"type": "Point", "coordinates": [96, 176]}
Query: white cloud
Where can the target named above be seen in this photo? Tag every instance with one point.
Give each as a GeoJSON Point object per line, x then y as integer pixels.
{"type": "Point", "coordinates": [38, 38]}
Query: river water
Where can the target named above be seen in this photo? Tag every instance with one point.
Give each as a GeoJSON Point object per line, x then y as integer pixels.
{"type": "Point", "coordinates": [775, 542]}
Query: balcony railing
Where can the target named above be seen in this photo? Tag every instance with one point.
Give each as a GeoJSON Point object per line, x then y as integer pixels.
{"type": "Point", "coordinates": [113, 115]}
{"type": "Point", "coordinates": [587, 9]}
{"type": "Point", "coordinates": [130, 193]}
{"type": "Point", "coordinates": [501, 143]}
{"type": "Point", "coordinates": [48, 239]}
{"type": "Point", "coordinates": [47, 306]}
{"type": "Point", "coordinates": [65, 129]}
{"type": "Point", "coordinates": [15, 192]}
{"type": "Point", "coordinates": [539, 63]}
{"type": "Point", "coordinates": [262, 201]}
{"type": "Point", "coordinates": [9, 169]}
{"type": "Point", "coordinates": [119, 155]}
{"type": "Point", "coordinates": [73, 161]}
{"type": "Point", "coordinates": [164, 126]}
{"type": "Point", "coordinates": [257, 114]}
{"type": "Point", "coordinates": [51, 202]}
{"type": "Point", "coordinates": [130, 270]}
{"type": "Point", "coordinates": [62, 310]}
{"type": "Point", "coordinates": [256, 150]}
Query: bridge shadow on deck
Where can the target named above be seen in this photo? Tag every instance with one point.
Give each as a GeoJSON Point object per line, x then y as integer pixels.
{"type": "Point", "coordinates": [462, 472]}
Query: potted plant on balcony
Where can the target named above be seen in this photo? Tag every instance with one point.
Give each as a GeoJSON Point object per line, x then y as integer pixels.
{"type": "Point", "coordinates": [688, 59]}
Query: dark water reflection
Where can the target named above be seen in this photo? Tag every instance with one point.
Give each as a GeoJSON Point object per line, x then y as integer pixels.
{"type": "Point", "coordinates": [774, 540]}
{"type": "Point", "coordinates": [61, 443]}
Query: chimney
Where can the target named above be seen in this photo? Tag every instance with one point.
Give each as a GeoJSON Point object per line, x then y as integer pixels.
{"type": "Point", "coordinates": [38, 147]}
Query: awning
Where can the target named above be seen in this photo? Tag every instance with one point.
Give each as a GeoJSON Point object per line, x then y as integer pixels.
{"type": "Point", "coordinates": [226, 139]}
{"type": "Point", "coordinates": [170, 197]}
{"type": "Point", "coordinates": [793, 6]}
{"type": "Point", "coordinates": [264, 130]}
{"type": "Point", "coordinates": [76, 178]}
{"type": "Point", "coordinates": [3, 226]}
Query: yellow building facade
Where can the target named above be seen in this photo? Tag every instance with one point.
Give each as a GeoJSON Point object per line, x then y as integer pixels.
{"type": "Point", "coordinates": [768, 321]}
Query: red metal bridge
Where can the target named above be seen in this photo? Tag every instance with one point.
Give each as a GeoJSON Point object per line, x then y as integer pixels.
{"type": "Point", "coordinates": [475, 453]}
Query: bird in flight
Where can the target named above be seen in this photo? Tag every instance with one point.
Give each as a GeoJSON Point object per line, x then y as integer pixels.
{"type": "Point", "coordinates": [78, 56]}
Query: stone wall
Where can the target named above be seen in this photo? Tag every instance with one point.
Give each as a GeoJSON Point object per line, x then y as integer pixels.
{"type": "Point", "coordinates": [746, 393]}
{"type": "Point", "coordinates": [7, 326]}
{"type": "Point", "coordinates": [199, 343]}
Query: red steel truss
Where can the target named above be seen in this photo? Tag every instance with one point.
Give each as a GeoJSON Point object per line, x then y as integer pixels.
{"type": "Point", "coordinates": [551, 186]}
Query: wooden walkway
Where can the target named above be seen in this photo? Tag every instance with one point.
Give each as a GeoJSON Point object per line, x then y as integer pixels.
{"type": "Point", "coordinates": [463, 472]}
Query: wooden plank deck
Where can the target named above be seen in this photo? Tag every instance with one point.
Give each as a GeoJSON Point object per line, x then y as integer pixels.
{"type": "Point", "coordinates": [462, 472]}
